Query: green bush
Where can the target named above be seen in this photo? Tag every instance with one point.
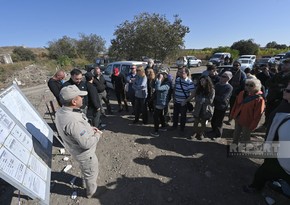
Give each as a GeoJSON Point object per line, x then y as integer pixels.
{"type": "Point", "coordinates": [22, 54]}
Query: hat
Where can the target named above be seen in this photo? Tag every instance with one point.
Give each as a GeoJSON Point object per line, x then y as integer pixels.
{"type": "Point", "coordinates": [70, 92]}
{"type": "Point", "coordinates": [163, 70]}
{"type": "Point", "coordinates": [209, 64]}
{"type": "Point", "coordinates": [250, 76]}
{"type": "Point", "coordinates": [116, 71]}
{"type": "Point", "coordinates": [228, 74]}
{"type": "Point", "coordinates": [89, 75]}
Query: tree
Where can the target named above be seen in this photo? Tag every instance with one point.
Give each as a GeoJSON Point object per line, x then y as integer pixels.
{"type": "Point", "coordinates": [22, 54]}
{"type": "Point", "coordinates": [65, 46]}
{"type": "Point", "coordinates": [281, 46]}
{"type": "Point", "coordinates": [90, 46]}
{"type": "Point", "coordinates": [148, 35]}
{"type": "Point", "coordinates": [246, 47]}
{"type": "Point", "coordinates": [271, 44]}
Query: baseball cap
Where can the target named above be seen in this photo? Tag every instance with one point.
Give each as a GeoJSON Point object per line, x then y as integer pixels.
{"type": "Point", "coordinates": [163, 70]}
{"type": "Point", "coordinates": [116, 71]}
{"type": "Point", "coordinates": [70, 92]}
{"type": "Point", "coordinates": [209, 64]}
{"type": "Point", "coordinates": [228, 74]}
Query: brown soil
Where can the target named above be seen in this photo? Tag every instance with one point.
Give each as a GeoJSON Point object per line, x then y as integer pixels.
{"type": "Point", "coordinates": [135, 168]}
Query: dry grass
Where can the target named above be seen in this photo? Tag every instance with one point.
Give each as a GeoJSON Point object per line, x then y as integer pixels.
{"type": "Point", "coordinates": [9, 49]}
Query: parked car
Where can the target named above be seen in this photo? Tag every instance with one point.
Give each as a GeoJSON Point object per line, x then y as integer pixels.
{"type": "Point", "coordinates": [251, 57]}
{"type": "Point", "coordinates": [246, 63]}
{"type": "Point", "coordinates": [192, 60]}
{"type": "Point", "coordinates": [195, 77]}
{"type": "Point", "coordinates": [261, 61]}
{"type": "Point", "coordinates": [124, 67]}
{"type": "Point", "coordinates": [102, 62]}
{"type": "Point", "coordinates": [279, 56]}
{"type": "Point", "coordinates": [287, 55]}
{"type": "Point", "coordinates": [223, 68]}
{"type": "Point", "coordinates": [157, 63]}
{"type": "Point", "coordinates": [218, 58]}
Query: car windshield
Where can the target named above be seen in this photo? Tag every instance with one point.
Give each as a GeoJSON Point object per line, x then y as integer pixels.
{"type": "Point", "coordinates": [263, 60]}
{"type": "Point", "coordinates": [244, 61]}
{"type": "Point", "coordinates": [216, 55]}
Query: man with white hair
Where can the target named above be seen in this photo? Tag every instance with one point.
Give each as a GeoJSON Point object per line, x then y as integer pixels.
{"type": "Point", "coordinates": [79, 138]}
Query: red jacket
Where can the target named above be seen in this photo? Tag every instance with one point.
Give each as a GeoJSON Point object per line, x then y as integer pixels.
{"type": "Point", "coordinates": [248, 114]}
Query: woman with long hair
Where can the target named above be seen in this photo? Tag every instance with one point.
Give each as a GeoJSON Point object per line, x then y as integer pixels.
{"type": "Point", "coordinates": [203, 111]}
{"type": "Point", "coordinates": [151, 89]}
{"type": "Point", "coordinates": [141, 92]}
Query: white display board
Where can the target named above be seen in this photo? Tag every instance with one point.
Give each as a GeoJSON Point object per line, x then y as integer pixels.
{"type": "Point", "coordinates": [25, 146]}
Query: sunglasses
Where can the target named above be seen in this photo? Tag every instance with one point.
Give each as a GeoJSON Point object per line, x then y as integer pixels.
{"type": "Point", "coordinates": [286, 90]}
{"type": "Point", "coordinates": [224, 76]}
{"type": "Point", "coordinates": [236, 65]}
{"type": "Point", "coordinates": [138, 70]}
{"type": "Point", "coordinates": [249, 85]}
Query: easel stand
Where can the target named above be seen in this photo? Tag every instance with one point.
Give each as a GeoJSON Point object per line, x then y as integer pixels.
{"type": "Point", "coordinates": [51, 112]}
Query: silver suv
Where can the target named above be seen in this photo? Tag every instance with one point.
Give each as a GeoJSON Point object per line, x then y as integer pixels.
{"type": "Point", "coordinates": [188, 61]}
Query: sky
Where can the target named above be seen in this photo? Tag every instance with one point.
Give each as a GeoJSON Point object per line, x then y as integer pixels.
{"type": "Point", "coordinates": [212, 23]}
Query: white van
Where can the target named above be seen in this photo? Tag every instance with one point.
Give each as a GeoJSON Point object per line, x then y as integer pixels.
{"type": "Point", "coordinates": [124, 67]}
{"type": "Point", "coordinates": [250, 57]}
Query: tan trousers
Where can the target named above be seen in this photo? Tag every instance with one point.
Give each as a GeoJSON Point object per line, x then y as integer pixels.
{"type": "Point", "coordinates": [90, 170]}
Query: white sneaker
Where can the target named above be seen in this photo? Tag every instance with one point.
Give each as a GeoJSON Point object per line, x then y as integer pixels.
{"type": "Point", "coordinates": [190, 119]}
{"type": "Point", "coordinates": [154, 134]}
{"type": "Point", "coordinates": [163, 129]}
{"type": "Point", "coordinates": [102, 125]}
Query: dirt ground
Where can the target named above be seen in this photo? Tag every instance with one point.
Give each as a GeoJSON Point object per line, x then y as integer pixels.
{"type": "Point", "coordinates": [137, 169]}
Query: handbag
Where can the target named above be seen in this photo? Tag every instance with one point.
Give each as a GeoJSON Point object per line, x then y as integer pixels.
{"type": "Point", "coordinates": [189, 105]}
{"type": "Point", "coordinates": [126, 87]}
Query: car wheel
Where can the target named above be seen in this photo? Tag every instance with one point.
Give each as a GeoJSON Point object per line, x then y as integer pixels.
{"type": "Point", "coordinates": [198, 65]}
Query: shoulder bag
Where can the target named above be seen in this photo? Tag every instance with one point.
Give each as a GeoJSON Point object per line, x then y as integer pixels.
{"type": "Point", "coordinates": [189, 105]}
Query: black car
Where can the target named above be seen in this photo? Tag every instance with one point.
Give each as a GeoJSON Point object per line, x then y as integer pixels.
{"type": "Point", "coordinates": [195, 77]}
{"type": "Point", "coordinates": [261, 61]}
{"type": "Point", "coordinates": [223, 68]}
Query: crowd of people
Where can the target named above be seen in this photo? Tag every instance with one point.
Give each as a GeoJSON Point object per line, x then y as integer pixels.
{"type": "Point", "coordinates": [245, 96]}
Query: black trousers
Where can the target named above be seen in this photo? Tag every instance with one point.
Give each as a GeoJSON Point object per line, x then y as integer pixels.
{"type": "Point", "coordinates": [217, 122]}
{"type": "Point", "coordinates": [141, 107]}
{"type": "Point", "coordinates": [269, 170]}
{"type": "Point", "coordinates": [178, 109]}
{"type": "Point", "coordinates": [270, 106]}
{"type": "Point", "coordinates": [158, 117]}
{"type": "Point", "coordinates": [121, 96]}
{"type": "Point", "coordinates": [232, 102]}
